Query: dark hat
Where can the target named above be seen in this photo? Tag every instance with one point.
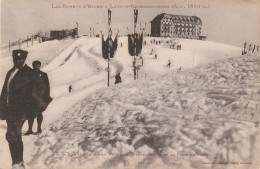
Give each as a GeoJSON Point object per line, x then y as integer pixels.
{"type": "Point", "coordinates": [36, 62]}
{"type": "Point", "coordinates": [19, 53]}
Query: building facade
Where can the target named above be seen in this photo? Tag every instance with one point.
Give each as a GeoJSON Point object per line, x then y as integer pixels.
{"type": "Point", "coordinates": [176, 26]}
{"type": "Point", "coordinates": [61, 34]}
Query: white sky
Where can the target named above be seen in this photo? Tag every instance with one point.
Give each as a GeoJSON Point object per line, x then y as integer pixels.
{"type": "Point", "coordinates": [227, 21]}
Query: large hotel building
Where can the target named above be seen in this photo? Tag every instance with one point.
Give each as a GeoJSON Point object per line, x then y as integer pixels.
{"type": "Point", "coordinates": [176, 26]}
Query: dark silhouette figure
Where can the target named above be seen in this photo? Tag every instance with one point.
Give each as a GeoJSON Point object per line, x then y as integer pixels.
{"type": "Point", "coordinates": [16, 102]}
{"type": "Point", "coordinates": [121, 44]}
{"type": "Point", "coordinates": [180, 68]}
{"type": "Point", "coordinates": [142, 60]}
{"type": "Point", "coordinates": [118, 78]}
{"type": "Point", "coordinates": [70, 88]}
{"type": "Point", "coordinates": [155, 56]}
{"type": "Point", "coordinates": [169, 64]}
{"type": "Point", "coordinates": [42, 91]}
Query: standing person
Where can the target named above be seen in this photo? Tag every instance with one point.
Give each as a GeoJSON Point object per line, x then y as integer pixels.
{"type": "Point", "coordinates": [16, 102]}
{"type": "Point", "coordinates": [70, 88]}
{"type": "Point", "coordinates": [142, 60]}
{"type": "Point", "coordinates": [42, 93]}
{"type": "Point", "coordinates": [169, 64]}
{"type": "Point", "coordinates": [118, 78]}
{"type": "Point", "coordinates": [151, 51]}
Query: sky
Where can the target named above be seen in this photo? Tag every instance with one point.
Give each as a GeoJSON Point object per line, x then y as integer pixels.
{"type": "Point", "coordinates": [227, 21]}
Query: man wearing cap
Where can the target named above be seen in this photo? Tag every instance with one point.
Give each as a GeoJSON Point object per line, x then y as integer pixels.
{"type": "Point", "coordinates": [15, 103]}
{"type": "Point", "coordinates": [41, 96]}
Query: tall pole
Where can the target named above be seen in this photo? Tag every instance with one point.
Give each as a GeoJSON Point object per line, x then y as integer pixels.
{"type": "Point", "coordinates": [77, 28]}
{"type": "Point", "coordinates": [9, 45]}
{"type": "Point", "coordinates": [135, 22]}
{"type": "Point", "coordinates": [244, 47]}
{"type": "Point", "coordinates": [109, 37]}
{"type": "Point", "coordinates": [19, 44]}
{"type": "Point", "coordinates": [144, 28]}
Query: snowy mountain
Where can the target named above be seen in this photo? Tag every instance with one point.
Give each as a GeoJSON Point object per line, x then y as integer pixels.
{"type": "Point", "coordinates": [205, 114]}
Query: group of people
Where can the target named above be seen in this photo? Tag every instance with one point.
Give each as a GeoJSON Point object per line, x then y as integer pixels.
{"type": "Point", "coordinates": [25, 95]}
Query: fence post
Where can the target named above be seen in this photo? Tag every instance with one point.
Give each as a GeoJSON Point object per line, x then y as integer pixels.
{"type": "Point", "coordinates": [245, 48]}
{"type": "Point", "coordinates": [253, 49]}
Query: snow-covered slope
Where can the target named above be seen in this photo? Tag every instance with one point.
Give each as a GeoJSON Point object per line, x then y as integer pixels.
{"type": "Point", "coordinates": [186, 119]}
{"type": "Point", "coordinates": [151, 114]}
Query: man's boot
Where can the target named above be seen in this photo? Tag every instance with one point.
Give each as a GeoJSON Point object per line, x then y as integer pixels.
{"type": "Point", "coordinates": [18, 166]}
{"type": "Point", "coordinates": [28, 132]}
{"type": "Point", "coordinates": [39, 131]}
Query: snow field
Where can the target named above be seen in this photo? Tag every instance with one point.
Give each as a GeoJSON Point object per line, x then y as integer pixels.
{"type": "Point", "coordinates": [177, 114]}
{"type": "Point", "coordinates": [202, 110]}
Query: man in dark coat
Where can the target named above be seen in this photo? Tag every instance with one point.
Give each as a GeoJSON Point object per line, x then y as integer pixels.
{"type": "Point", "coordinates": [15, 103]}
{"type": "Point", "coordinates": [118, 78]}
{"type": "Point", "coordinates": [41, 95]}
{"type": "Point", "coordinates": [169, 64]}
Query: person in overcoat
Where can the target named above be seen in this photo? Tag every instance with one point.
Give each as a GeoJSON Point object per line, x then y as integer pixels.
{"type": "Point", "coordinates": [118, 78]}
{"type": "Point", "coordinates": [16, 102]}
{"type": "Point", "coordinates": [41, 95]}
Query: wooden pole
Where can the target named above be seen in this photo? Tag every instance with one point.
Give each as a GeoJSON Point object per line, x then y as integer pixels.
{"type": "Point", "coordinates": [135, 22]}
{"type": "Point", "coordinates": [245, 48]}
{"type": "Point", "coordinates": [77, 28]}
{"type": "Point", "coordinates": [108, 71]}
{"type": "Point", "coordinates": [109, 36]}
{"type": "Point", "coordinates": [19, 44]}
{"type": "Point", "coordinates": [253, 49]}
